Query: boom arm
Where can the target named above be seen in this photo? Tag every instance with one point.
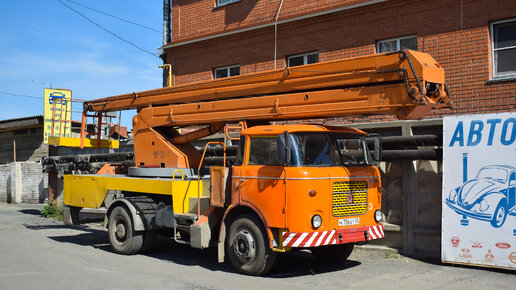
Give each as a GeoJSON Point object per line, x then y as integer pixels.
{"type": "Point", "coordinates": [405, 83]}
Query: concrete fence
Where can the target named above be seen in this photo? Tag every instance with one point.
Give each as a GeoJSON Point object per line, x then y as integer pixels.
{"type": "Point", "coordinates": [23, 182]}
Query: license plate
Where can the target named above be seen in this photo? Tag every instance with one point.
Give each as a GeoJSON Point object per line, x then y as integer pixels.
{"type": "Point", "coordinates": [349, 222]}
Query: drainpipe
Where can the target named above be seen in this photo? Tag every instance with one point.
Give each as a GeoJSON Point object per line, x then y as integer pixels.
{"type": "Point", "coordinates": [167, 37]}
{"type": "Point", "coordinates": [276, 34]}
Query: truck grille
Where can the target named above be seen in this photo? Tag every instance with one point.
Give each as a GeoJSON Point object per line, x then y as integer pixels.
{"type": "Point", "coordinates": [357, 203]}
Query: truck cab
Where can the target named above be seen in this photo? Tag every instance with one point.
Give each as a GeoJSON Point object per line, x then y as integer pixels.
{"type": "Point", "coordinates": [310, 185]}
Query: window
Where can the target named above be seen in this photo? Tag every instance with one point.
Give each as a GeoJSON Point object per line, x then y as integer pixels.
{"type": "Point", "coordinates": [240, 152]}
{"type": "Point", "coordinates": [395, 44]}
{"type": "Point", "coordinates": [301, 59]}
{"type": "Point", "coordinates": [225, 2]}
{"type": "Point", "coordinates": [227, 71]}
{"type": "Point", "coordinates": [503, 36]}
{"type": "Point", "coordinates": [262, 151]}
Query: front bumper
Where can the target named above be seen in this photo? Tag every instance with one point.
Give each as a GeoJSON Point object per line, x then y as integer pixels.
{"type": "Point", "coordinates": [333, 237]}
{"type": "Point", "coordinates": [465, 212]}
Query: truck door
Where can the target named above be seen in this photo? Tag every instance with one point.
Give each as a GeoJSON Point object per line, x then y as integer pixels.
{"type": "Point", "coordinates": [263, 181]}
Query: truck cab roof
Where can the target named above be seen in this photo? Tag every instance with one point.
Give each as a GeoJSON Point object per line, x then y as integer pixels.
{"type": "Point", "coordinates": [279, 129]}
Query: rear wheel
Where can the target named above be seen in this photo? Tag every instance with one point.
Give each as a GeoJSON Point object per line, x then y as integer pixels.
{"type": "Point", "coordinates": [247, 247]}
{"type": "Point", "coordinates": [123, 238]}
{"type": "Point", "coordinates": [333, 253]}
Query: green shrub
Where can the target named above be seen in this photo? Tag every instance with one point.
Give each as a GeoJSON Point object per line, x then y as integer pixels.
{"type": "Point", "coordinates": [52, 210]}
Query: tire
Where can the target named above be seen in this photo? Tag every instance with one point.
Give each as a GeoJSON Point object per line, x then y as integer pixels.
{"type": "Point", "coordinates": [333, 253]}
{"type": "Point", "coordinates": [124, 240]}
{"type": "Point", "coordinates": [248, 248]}
{"type": "Point", "coordinates": [500, 214]}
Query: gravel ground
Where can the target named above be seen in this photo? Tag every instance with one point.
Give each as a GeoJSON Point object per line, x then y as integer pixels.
{"type": "Point", "coordinates": [43, 253]}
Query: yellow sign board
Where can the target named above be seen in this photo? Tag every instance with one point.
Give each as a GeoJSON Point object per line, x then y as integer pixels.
{"type": "Point", "coordinates": [58, 113]}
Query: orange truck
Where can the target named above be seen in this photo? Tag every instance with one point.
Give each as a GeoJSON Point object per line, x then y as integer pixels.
{"type": "Point", "coordinates": [290, 185]}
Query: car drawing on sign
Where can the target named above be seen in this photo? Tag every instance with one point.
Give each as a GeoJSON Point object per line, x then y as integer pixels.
{"type": "Point", "coordinates": [490, 196]}
{"type": "Point", "coordinates": [59, 97]}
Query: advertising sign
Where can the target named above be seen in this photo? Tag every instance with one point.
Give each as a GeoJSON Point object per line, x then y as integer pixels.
{"type": "Point", "coordinates": [479, 190]}
{"type": "Point", "coordinates": [58, 110]}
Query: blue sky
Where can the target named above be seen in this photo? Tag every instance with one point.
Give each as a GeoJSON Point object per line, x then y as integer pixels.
{"type": "Point", "coordinates": [43, 44]}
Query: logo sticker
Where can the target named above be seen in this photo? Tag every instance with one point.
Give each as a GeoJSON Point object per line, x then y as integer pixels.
{"type": "Point", "coordinates": [466, 253]}
{"type": "Point", "coordinates": [489, 256]}
{"type": "Point", "coordinates": [512, 257]}
{"type": "Point", "coordinates": [503, 245]}
{"type": "Point", "coordinates": [455, 242]}
{"type": "Point", "coordinates": [477, 245]}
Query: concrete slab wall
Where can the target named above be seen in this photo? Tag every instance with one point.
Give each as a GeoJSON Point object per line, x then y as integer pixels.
{"type": "Point", "coordinates": [23, 182]}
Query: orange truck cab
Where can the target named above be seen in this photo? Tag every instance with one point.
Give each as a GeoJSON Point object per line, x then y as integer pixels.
{"type": "Point", "coordinates": [311, 186]}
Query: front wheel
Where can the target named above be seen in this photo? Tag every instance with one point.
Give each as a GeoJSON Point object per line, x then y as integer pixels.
{"type": "Point", "coordinates": [248, 248]}
{"type": "Point", "coordinates": [500, 214]}
{"type": "Point", "coordinates": [333, 253]}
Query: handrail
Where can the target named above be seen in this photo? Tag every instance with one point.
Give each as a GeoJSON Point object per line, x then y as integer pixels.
{"type": "Point", "coordinates": [174, 175]}
{"type": "Point", "coordinates": [199, 173]}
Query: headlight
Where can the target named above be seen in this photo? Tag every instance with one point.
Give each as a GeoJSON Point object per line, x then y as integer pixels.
{"type": "Point", "coordinates": [453, 195]}
{"type": "Point", "coordinates": [378, 216]}
{"type": "Point", "coordinates": [316, 221]}
{"type": "Point", "coordinates": [483, 205]}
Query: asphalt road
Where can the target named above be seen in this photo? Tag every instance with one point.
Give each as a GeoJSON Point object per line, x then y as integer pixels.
{"type": "Point", "coordinates": [42, 253]}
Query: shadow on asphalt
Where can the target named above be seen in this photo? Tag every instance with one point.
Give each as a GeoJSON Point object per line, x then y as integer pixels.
{"type": "Point", "coordinates": [31, 211]}
{"type": "Point", "coordinates": [291, 264]}
{"type": "Point", "coordinates": [87, 236]}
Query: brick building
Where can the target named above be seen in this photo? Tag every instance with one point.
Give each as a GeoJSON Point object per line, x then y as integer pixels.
{"type": "Point", "coordinates": [474, 40]}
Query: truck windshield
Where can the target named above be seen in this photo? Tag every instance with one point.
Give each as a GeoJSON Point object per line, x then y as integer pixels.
{"type": "Point", "coordinates": [327, 149]}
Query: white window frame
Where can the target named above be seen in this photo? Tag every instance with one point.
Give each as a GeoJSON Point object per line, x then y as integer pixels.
{"type": "Point", "coordinates": [493, 61]}
{"type": "Point", "coordinates": [398, 41]}
{"type": "Point", "coordinates": [218, 4]}
{"type": "Point", "coordinates": [227, 68]}
{"type": "Point", "coordinates": [304, 55]}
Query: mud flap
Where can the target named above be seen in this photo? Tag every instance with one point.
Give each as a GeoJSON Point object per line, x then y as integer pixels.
{"type": "Point", "coordinates": [221, 244]}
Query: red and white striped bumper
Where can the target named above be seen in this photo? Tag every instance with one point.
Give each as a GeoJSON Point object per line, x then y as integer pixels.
{"type": "Point", "coordinates": [334, 237]}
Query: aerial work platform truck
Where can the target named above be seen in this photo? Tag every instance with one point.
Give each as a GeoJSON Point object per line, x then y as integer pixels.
{"type": "Point", "coordinates": [287, 185]}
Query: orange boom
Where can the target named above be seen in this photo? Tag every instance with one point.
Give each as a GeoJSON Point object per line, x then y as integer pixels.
{"type": "Point", "coordinates": [289, 186]}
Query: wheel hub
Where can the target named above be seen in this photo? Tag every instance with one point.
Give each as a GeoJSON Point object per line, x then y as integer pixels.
{"type": "Point", "coordinates": [500, 214]}
{"type": "Point", "coordinates": [245, 245]}
{"type": "Point", "coordinates": [120, 231]}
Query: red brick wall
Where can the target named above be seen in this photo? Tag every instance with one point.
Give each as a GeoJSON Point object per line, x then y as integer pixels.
{"type": "Point", "coordinates": [462, 47]}
{"type": "Point", "coordinates": [198, 18]}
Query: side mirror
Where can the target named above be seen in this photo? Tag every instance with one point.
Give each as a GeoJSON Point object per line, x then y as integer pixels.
{"type": "Point", "coordinates": [377, 149]}
{"type": "Point", "coordinates": [283, 148]}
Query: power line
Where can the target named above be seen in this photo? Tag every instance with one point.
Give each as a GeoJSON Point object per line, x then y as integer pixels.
{"type": "Point", "coordinates": [116, 17]}
{"type": "Point", "coordinates": [20, 95]}
{"type": "Point", "coordinates": [106, 30]}
{"type": "Point", "coordinates": [63, 39]}
{"type": "Point", "coordinates": [26, 79]}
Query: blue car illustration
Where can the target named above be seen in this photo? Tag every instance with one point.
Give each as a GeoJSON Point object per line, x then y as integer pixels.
{"type": "Point", "coordinates": [59, 97]}
{"type": "Point", "coordinates": [490, 196]}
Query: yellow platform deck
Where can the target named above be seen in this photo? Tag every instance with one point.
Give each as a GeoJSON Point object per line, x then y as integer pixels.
{"type": "Point", "coordinates": [89, 191]}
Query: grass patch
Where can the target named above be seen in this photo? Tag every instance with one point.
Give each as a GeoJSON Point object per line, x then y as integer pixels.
{"type": "Point", "coordinates": [390, 255]}
{"type": "Point", "coordinates": [52, 210]}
